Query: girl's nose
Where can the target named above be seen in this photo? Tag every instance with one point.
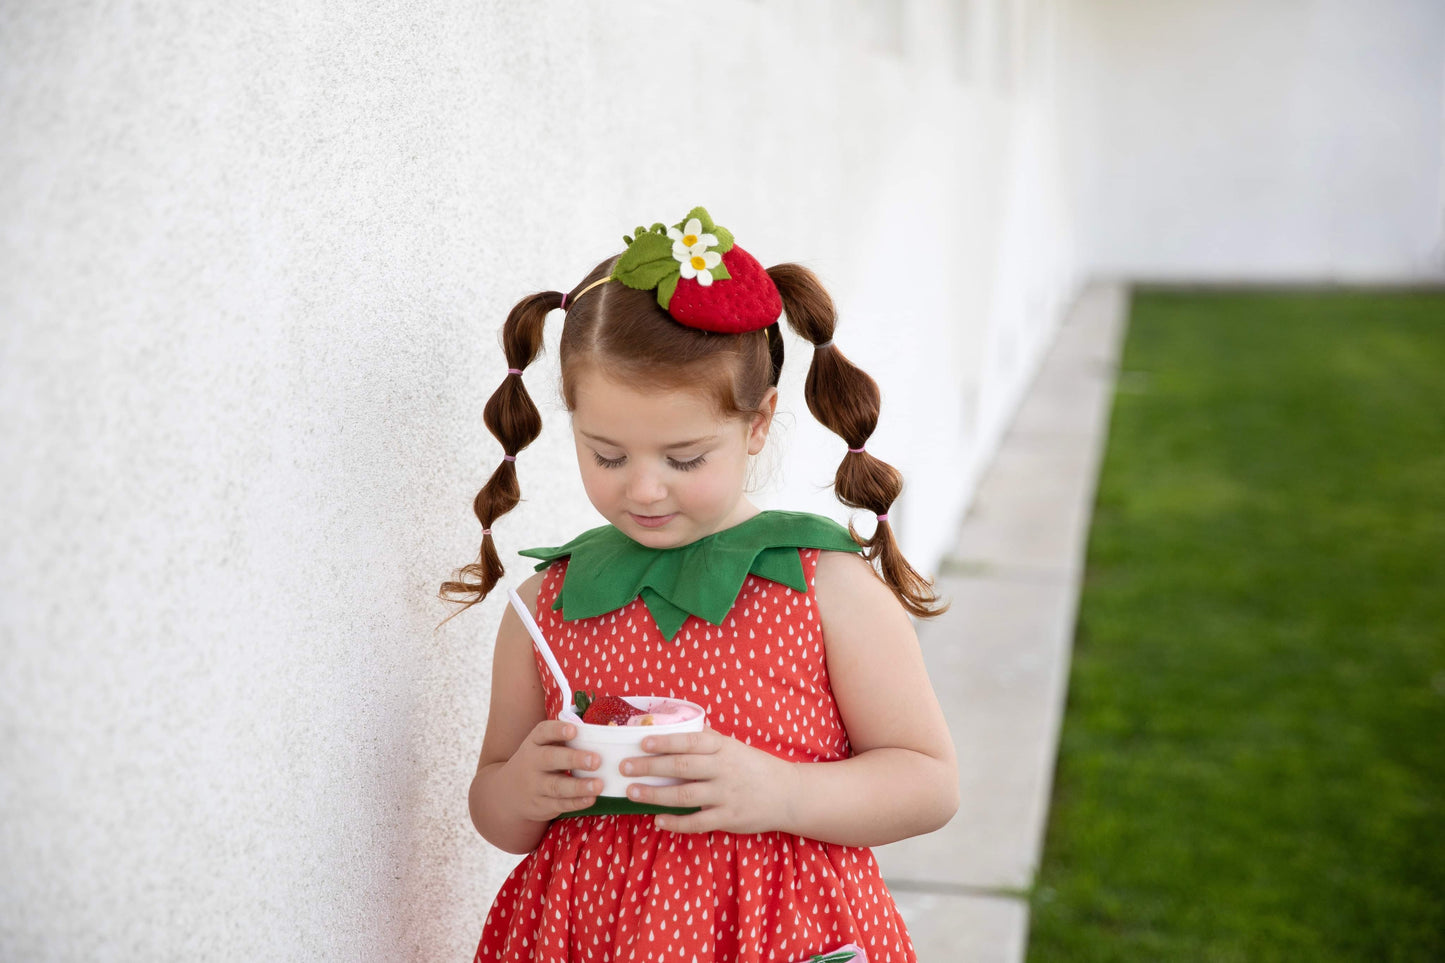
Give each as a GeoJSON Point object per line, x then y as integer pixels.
{"type": "Point", "coordinates": [645, 487]}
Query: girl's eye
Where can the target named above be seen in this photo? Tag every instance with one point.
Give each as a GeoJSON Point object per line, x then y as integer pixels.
{"type": "Point", "coordinates": [609, 462]}
{"type": "Point", "coordinates": [687, 465]}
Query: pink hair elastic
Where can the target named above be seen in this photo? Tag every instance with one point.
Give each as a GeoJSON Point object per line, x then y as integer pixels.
{"type": "Point", "coordinates": [563, 305]}
{"type": "Point", "coordinates": [855, 450]}
{"type": "Point", "coordinates": [883, 517]}
{"type": "Point", "coordinates": [514, 371]}
{"type": "Point", "coordinates": [509, 458]}
{"type": "Point", "coordinates": [486, 531]}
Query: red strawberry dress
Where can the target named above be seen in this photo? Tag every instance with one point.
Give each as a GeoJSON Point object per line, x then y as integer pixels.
{"type": "Point", "coordinates": [601, 888]}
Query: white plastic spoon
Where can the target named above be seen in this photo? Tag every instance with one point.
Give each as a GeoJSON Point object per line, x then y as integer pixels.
{"type": "Point", "coordinates": [535, 631]}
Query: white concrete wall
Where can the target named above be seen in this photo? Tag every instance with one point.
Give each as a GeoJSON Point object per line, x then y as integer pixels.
{"type": "Point", "coordinates": [1240, 140]}
{"type": "Point", "coordinates": [252, 263]}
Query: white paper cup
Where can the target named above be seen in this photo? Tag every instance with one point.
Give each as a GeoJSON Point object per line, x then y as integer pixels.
{"type": "Point", "coordinates": [612, 744]}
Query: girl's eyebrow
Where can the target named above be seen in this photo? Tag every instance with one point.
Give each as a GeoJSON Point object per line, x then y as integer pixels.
{"type": "Point", "coordinates": [679, 444]}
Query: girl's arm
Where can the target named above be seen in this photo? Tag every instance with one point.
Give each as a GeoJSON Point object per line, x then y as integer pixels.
{"type": "Point", "coordinates": [523, 780]}
{"type": "Point", "coordinates": [902, 779]}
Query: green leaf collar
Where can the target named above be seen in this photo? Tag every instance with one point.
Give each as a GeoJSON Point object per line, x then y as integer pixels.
{"type": "Point", "coordinates": [608, 570]}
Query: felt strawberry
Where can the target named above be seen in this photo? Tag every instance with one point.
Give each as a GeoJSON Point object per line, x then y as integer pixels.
{"type": "Point", "coordinates": [609, 710]}
{"type": "Point", "coordinates": [747, 301]}
{"type": "Point", "coordinates": [702, 278]}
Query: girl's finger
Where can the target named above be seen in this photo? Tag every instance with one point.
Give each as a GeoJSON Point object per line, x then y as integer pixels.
{"type": "Point", "coordinates": [699, 822]}
{"type": "Point", "coordinates": [679, 766]}
{"type": "Point", "coordinates": [705, 742]}
{"type": "Point", "coordinates": [567, 787]}
{"type": "Point", "coordinates": [560, 759]}
{"type": "Point", "coordinates": [573, 803]}
{"type": "Point", "coordinates": [685, 796]}
{"type": "Point", "coordinates": [553, 731]}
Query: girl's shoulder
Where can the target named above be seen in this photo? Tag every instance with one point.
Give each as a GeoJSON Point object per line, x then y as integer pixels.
{"type": "Point", "coordinates": [853, 600]}
{"type": "Point", "coordinates": [841, 575]}
{"type": "Point", "coordinates": [530, 588]}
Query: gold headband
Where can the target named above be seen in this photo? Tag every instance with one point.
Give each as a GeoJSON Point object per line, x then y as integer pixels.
{"type": "Point", "coordinates": [591, 286]}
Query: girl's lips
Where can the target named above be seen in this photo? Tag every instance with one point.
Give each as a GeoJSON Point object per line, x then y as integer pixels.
{"type": "Point", "coordinates": [652, 521]}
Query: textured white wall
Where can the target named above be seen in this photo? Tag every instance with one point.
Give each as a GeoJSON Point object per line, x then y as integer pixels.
{"type": "Point", "coordinates": [1238, 140]}
{"type": "Point", "coordinates": [252, 263]}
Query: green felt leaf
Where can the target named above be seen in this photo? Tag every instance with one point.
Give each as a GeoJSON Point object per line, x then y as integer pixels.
{"type": "Point", "coordinates": [647, 276]}
{"type": "Point", "coordinates": [646, 246]}
{"type": "Point", "coordinates": [723, 235]}
{"type": "Point", "coordinates": [720, 273]}
{"type": "Point", "coordinates": [627, 239]}
{"type": "Point", "coordinates": [665, 288]}
{"type": "Point", "coordinates": [781, 565]}
{"type": "Point", "coordinates": [702, 215]}
{"type": "Point", "coordinates": [646, 262]}
{"type": "Point", "coordinates": [669, 617]}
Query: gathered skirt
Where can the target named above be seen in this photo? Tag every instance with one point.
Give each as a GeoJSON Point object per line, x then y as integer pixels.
{"type": "Point", "coordinates": [600, 889]}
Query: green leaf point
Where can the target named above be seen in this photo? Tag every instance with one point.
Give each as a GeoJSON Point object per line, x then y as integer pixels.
{"type": "Point", "coordinates": [703, 217]}
{"type": "Point", "coordinates": [723, 235]}
{"type": "Point", "coordinates": [666, 288]}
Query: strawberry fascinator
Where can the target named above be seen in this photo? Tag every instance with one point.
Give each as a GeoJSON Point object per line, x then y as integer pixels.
{"type": "Point", "coordinates": [702, 278]}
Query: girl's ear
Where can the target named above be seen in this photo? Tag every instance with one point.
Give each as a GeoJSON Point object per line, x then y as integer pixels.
{"type": "Point", "coordinates": [761, 421]}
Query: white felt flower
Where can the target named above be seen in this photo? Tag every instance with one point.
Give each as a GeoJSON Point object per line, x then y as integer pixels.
{"type": "Point", "coordinates": [699, 264]}
{"type": "Point", "coordinates": [690, 237]}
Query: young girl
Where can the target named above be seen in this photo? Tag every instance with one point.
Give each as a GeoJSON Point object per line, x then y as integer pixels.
{"type": "Point", "coordinates": [823, 733]}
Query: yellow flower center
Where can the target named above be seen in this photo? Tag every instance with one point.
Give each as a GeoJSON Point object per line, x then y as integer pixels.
{"type": "Point", "coordinates": [698, 264]}
{"type": "Point", "coordinates": [688, 240]}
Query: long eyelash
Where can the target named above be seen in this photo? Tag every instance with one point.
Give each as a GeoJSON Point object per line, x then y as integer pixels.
{"type": "Point", "coordinates": [609, 462]}
{"type": "Point", "coordinates": [688, 465]}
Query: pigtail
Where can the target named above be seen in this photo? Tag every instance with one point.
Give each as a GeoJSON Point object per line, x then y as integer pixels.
{"type": "Point", "coordinates": [846, 401]}
{"type": "Point", "coordinates": [512, 417]}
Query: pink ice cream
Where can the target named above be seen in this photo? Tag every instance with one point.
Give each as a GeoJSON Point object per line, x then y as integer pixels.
{"type": "Point", "coordinates": [666, 712]}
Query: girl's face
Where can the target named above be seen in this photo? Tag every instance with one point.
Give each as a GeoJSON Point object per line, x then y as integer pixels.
{"type": "Point", "coordinates": [662, 465]}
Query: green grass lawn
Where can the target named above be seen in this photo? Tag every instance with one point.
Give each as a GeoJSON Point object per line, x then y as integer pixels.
{"type": "Point", "coordinates": [1252, 766]}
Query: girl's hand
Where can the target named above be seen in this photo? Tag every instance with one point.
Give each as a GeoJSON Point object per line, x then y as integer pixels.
{"type": "Point", "coordinates": [540, 773]}
{"type": "Point", "coordinates": [740, 789]}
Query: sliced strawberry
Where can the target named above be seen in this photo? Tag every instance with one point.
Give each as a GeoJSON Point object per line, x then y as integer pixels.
{"type": "Point", "coordinates": [610, 711]}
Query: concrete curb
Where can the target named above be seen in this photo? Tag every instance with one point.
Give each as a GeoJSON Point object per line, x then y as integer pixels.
{"type": "Point", "coordinates": [999, 658]}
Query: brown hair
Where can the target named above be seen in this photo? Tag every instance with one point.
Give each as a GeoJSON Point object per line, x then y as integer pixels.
{"type": "Point", "coordinates": [625, 331]}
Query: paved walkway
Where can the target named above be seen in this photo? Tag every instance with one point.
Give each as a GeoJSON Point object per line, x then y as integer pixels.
{"type": "Point", "coordinates": [999, 657]}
